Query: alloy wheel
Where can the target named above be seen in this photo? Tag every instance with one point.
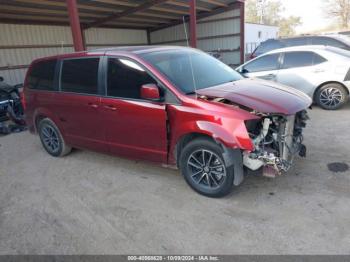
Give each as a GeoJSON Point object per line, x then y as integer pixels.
{"type": "Point", "coordinates": [50, 138]}
{"type": "Point", "coordinates": [207, 169]}
{"type": "Point", "coordinates": [331, 97]}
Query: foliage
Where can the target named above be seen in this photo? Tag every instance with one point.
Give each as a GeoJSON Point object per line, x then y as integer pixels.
{"type": "Point", "coordinates": [269, 12]}
{"type": "Point", "coordinates": [339, 9]}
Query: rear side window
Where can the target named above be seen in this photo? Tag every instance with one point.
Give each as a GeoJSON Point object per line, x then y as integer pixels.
{"type": "Point", "coordinates": [328, 41]}
{"type": "Point", "coordinates": [80, 75]}
{"type": "Point", "coordinates": [125, 78]}
{"type": "Point", "coordinates": [301, 59]}
{"type": "Point", "coordinates": [296, 41]}
{"type": "Point", "coordinates": [42, 75]}
{"type": "Point", "coordinates": [265, 63]}
{"type": "Point", "coordinates": [268, 46]}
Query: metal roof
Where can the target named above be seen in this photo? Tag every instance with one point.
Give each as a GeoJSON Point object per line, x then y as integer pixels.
{"type": "Point", "coordinates": [137, 14]}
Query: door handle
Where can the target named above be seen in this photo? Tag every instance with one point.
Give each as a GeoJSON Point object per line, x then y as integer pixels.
{"type": "Point", "coordinates": [269, 76]}
{"type": "Point", "coordinates": [318, 70]}
{"type": "Point", "coordinates": [93, 105]}
{"type": "Point", "coordinates": [112, 108]}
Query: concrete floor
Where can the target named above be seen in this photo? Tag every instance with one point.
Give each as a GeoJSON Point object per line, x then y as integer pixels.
{"type": "Point", "coordinates": [89, 203]}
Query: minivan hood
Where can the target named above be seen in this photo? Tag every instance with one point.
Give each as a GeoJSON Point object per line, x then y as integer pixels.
{"type": "Point", "coordinates": [260, 95]}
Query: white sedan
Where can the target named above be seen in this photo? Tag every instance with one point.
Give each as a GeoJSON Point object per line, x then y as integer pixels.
{"type": "Point", "coordinates": [322, 72]}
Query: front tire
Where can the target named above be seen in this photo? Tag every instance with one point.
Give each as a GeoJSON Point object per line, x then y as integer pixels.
{"type": "Point", "coordinates": [204, 169]}
{"type": "Point", "coordinates": [331, 96]}
{"type": "Point", "coordinates": [52, 139]}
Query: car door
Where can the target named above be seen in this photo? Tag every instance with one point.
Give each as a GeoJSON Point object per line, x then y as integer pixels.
{"type": "Point", "coordinates": [77, 104]}
{"type": "Point", "coordinates": [302, 70]}
{"type": "Point", "coordinates": [133, 127]}
{"type": "Point", "coordinates": [265, 67]}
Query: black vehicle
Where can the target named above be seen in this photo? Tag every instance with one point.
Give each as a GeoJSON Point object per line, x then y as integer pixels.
{"type": "Point", "coordinates": [339, 41]}
{"type": "Point", "coordinates": [11, 109]}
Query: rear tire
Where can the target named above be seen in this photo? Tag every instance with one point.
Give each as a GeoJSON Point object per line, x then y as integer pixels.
{"type": "Point", "coordinates": [204, 169]}
{"type": "Point", "coordinates": [331, 96]}
{"type": "Point", "coordinates": [52, 139]}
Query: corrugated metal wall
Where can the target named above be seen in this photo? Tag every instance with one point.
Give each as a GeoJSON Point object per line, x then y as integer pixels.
{"type": "Point", "coordinates": [216, 34]}
{"type": "Point", "coordinates": [21, 44]}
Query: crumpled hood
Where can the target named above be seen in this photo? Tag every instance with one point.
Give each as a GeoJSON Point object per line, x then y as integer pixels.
{"type": "Point", "coordinates": [260, 95]}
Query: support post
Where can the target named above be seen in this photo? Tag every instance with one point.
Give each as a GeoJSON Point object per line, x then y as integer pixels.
{"type": "Point", "coordinates": [242, 31]}
{"type": "Point", "coordinates": [75, 25]}
{"type": "Point", "coordinates": [149, 42]}
{"type": "Point", "coordinates": [193, 24]}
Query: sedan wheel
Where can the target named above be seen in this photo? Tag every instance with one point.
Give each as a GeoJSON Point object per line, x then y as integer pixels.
{"type": "Point", "coordinates": [331, 96]}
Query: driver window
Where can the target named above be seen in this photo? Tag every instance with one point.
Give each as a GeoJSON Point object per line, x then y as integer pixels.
{"type": "Point", "coordinates": [125, 78]}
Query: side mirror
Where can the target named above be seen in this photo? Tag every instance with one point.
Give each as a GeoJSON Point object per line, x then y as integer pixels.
{"type": "Point", "coordinates": [243, 71]}
{"type": "Point", "coordinates": [1, 79]}
{"type": "Point", "coordinates": [150, 92]}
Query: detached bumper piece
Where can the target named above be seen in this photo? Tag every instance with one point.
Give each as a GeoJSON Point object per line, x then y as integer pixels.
{"type": "Point", "coordinates": [11, 111]}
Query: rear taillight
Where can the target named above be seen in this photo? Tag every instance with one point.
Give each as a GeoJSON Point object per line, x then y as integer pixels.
{"type": "Point", "coordinates": [252, 56]}
{"type": "Point", "coordinates": [23, 100]}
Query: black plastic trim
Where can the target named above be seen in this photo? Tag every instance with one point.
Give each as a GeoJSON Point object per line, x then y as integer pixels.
{"type": "Point", "coordinates": [347, 77]}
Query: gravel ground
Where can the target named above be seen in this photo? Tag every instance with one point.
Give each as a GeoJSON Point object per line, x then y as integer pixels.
{"type": "Point", "coordinates": [90, 203]}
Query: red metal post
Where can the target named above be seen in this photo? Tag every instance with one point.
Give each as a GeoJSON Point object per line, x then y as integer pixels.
{"type": "Point", "coordinates": [242, 31]}
{"type": "Point", "coordinates": [75, 25]}
{"type": "Point", "coordinates": [193, 24]}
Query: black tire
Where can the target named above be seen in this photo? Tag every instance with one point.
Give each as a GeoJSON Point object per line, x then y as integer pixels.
{"type": "Point", "coordinates": [222, 185]}
{"type": "Point", "coordinates": [331, 96]}
{"type": "Point", "coordinates": [51, 138]}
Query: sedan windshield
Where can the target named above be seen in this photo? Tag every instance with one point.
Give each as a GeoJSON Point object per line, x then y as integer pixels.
{"type": "Point", "coordinates": [190, 70]}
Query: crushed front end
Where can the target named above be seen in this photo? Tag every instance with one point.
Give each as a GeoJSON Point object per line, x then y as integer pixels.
{"type": "Point", "coordinates": [277, 140]}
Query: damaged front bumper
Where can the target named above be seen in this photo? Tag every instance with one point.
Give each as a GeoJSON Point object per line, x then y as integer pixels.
{"type": "Point", "coordinates": [277, 140]}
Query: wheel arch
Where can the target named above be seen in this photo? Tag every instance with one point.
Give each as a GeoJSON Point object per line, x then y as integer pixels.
{"type": "Point", "coordinates": [184, 140]}
{"type": "Point", "coordinates": [37, 120]}
{"type": "Point", "coordinates": [232, 157]}
{"type": "Point", "coordinates": [42, 113]}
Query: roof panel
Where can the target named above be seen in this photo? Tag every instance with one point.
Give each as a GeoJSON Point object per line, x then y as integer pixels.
{"type": "Point", "coordinates": [150, 14]}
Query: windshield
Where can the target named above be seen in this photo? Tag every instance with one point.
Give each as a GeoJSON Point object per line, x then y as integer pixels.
{"type": "Point", "coordinates": [190, 70]}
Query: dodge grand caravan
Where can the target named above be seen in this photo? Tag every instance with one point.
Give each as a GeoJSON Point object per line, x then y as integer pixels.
{"type": "Point", "coordinates": [171, 105]}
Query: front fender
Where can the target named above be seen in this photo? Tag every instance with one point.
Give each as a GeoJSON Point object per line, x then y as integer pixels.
{"type": "Point", "coordinates": [232, 134]}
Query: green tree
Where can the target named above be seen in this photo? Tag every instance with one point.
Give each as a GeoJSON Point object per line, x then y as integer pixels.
{"type": "Point", "coordinates": [339, 9]}
{"type": "Point", "coordinates": [269, 12]}
{"type": "Point", "coordinates": [287, 25]}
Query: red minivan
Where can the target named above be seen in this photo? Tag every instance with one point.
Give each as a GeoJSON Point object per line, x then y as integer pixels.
{"type": "Point", "coordinates": [170, 105]}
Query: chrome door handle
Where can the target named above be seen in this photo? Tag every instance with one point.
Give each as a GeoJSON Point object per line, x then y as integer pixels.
{"type": "Point", "coordinates": [93, 105]}
{"type": "Point", "coordinates": [112, 108]}
{"type": "Point", "coordinates": [269, 76]}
